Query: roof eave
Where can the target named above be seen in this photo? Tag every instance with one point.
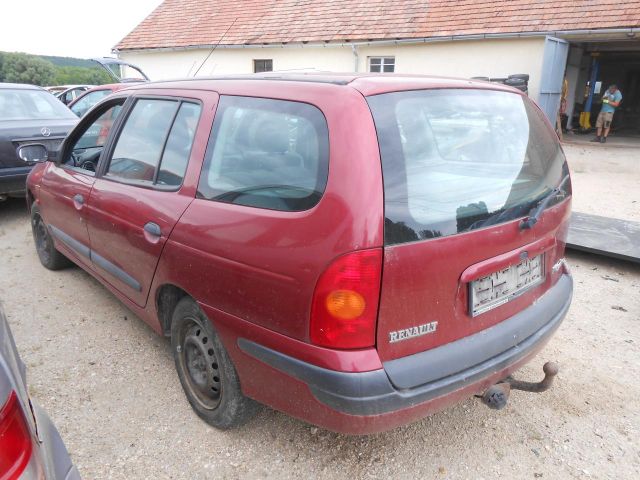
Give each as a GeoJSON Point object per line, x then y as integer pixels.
{"type": "Point", "coordinates": [566, 34]}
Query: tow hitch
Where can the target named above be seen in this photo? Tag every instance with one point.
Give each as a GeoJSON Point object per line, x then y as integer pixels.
{"type": "Point", "coordinates": [496, 396]}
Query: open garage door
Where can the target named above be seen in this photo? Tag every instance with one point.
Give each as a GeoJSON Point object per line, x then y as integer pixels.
{"type": "Point", "coordinates": [553, 65]}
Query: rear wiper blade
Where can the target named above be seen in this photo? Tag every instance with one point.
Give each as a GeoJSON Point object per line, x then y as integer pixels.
{"type": "Point", "coordinates": [532, 219]}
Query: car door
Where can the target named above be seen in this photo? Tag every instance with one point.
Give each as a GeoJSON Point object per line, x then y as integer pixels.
{"type": "Point", "coordinates": [140, 192]}
{"type": "Point", "coordinates": [66, 184]}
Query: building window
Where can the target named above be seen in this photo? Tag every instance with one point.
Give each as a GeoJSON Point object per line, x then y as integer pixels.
{"type": "Point", "coordinates": [382, 64]}
{"type": "Point", "coordinates": [262, 66]}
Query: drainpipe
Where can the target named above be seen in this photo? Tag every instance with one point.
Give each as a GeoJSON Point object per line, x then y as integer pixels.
{"type": "Point", "coordinates": [356, 60]}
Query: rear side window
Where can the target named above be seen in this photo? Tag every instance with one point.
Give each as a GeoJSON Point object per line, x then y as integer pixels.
{"type": "Point", "coordinates": [155, 143]}
{"type": "Point", "coordinates": [266, 153]}
{"type": "Point", "coordinates": [459, 160]}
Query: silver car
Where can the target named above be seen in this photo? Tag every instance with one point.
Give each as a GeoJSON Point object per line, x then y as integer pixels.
{"type": "Point", "coordinates": [30, 445]}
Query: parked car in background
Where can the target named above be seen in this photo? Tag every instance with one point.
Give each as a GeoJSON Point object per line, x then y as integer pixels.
{"type": "Point", "coordinates": [124, 73]}
{"type": "Point", "coordinates": [55, 89]}
{"type": "Point", "coordinates": [30, 445]}
{"type": "Point", "coordinates": [69, 94]}
{"type": "Point", "coordinates": [358, 251]}
{"type": "Point", "coordinates": [88, 99]}
{"type": "Point", "coordinates": [27, 114]}
{"type": "Point", "coordinates": [121, 71]}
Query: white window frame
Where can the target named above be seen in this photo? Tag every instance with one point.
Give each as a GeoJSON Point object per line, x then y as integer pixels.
{"type": "Point", "coordinates": [385, 61]}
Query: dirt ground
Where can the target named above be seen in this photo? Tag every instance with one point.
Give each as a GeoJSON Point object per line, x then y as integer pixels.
{"type": "Point", "coordinates": [606, 179]}
{"type": "Point", "coordinates": [109, 383]}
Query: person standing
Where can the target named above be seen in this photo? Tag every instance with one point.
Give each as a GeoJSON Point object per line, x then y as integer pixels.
{"type": "Point", "coordinates": [610, 101]}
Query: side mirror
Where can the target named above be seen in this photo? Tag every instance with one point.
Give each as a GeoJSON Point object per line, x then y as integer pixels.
{"type": "Point", "coordinates": [33, 152]}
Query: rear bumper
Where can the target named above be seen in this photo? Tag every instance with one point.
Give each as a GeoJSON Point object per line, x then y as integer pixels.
{"type": "Point", "coordinates": [13, 181]}
{"type": "Point", "coordinates": [407, 382]}
{"type": "Point", "coordinates": [57, 462]}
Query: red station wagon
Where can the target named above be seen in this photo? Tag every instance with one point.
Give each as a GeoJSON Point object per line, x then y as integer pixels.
{"type": "Point", "coordinates": [356, 251]}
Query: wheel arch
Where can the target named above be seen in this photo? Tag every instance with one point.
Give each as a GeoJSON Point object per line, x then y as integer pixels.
{"type": "Point", "coordinates": [167, 297]}
{"type": "Point", "coordinates": [30, 199]}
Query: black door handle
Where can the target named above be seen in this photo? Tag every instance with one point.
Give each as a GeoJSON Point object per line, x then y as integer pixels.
{"type": "Point", "coordinates": [79, 199]}
{"type": "Point", "coordinates": [153, 229]}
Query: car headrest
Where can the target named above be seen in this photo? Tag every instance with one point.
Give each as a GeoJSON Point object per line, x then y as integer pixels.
{"type": "Point", "coordinates": [272, 135]}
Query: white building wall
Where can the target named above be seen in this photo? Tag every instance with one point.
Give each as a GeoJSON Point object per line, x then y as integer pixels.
{"type": "Point", "coordinates": [161, 65]}
{"type": "Point", "coordinates": [489, 58]}
{"type": "Point", "coordinates": [465, 59]}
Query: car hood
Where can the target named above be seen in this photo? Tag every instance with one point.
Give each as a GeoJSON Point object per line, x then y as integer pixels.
{"type": "Point", "coordinates": [117, 69]}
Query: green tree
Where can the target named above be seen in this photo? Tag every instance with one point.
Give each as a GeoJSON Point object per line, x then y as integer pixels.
{"type": "Point", "coordinates": [24, 68]}
{"type": "Point", "coordinates": [80, 76]}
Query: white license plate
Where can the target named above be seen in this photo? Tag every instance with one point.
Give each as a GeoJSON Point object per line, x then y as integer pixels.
{"type": "Point", "coordinates": [504, 285]}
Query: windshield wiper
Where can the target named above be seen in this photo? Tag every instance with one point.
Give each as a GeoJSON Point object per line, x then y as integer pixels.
{"type": "Point", "coordinates": [532, 219]}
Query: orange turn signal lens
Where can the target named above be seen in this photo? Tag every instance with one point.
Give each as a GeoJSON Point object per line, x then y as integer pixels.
{"type": "Point", "coordinates": [345, 304]}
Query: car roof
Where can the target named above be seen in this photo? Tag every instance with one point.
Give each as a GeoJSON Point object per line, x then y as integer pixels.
{"type": "Point", "coordinates": [110, 86]}
{"type": "Point", "coordinates": [366, 83]}
{"type": "Point", "coordinates": [19, 86]}
{"type": "Point", "coordinates": [66, 87]}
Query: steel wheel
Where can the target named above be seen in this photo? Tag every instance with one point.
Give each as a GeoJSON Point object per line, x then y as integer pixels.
{"type": "Point", "coordinates": [45, 248]}
{"type": "Point", "coordinates": [207, 374]}
{"type": "Point", "coordinates": [197, 358]}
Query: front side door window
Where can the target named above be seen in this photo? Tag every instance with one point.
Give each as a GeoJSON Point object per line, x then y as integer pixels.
{"type": "Point", "coordinates": [84, 152]}
{"type": "Point", "coordinates": [154, 145]}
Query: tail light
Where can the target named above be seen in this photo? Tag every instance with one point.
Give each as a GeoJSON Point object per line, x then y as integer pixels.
{"type": "Point", "coordinates": [15, 439]}
{"type": "Point", "coordinates": [345, 302]}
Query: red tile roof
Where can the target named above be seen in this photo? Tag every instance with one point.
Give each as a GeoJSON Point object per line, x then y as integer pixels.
{"type": "Point", "coordinates": [185, 23]}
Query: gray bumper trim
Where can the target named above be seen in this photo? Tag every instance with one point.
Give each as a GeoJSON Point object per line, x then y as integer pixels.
{"type": "Point", "coordinates": [454, 357]}
{"type": "Point", "coordinates": [372, 393]}
{"type": "Point", "coordinates": [102, 262]}
{"type": "Point", "coordinates": [70, 242]}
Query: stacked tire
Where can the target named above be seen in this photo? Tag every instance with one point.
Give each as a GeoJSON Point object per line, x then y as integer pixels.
{"type": "Point", "coordinates": [518, 80]}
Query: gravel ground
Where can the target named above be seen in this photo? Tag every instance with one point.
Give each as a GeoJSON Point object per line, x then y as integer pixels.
{"type": "Point", "coordinates": [606, 180]}
{"type": "Point", "coordinates": [109, 383]}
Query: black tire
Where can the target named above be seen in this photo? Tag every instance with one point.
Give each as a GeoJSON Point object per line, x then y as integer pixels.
{"type": "Point", "coordinates": [523, 76]}
{"type": "Point", "coordinates": [206, 372]}
{"type": "Point", "coordinates": [49, 257]}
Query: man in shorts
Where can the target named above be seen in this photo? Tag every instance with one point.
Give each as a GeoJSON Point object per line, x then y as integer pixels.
{"type": "Point", "coordinates": [610, 101]}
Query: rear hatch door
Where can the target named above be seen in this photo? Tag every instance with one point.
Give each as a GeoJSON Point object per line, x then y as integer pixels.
{"type": "Point", "coordinates": [461, 169]}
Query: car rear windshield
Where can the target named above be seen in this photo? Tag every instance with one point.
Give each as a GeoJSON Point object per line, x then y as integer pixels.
{"type": "Point", "coordinates": [31, 105]}
{"type": "Point", "coordinates": [456, 160]}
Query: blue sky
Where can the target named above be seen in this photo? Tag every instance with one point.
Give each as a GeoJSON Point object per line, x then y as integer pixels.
{"type": "Point", "coordinates": [69, 28]}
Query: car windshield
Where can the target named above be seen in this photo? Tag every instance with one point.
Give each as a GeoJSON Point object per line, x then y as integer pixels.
{"type": "Point", "coordinates": [458, 160]}
{"type": "Point", "coordinates": [21, 104]}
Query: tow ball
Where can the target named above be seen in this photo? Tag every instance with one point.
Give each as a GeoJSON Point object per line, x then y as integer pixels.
{"type": "Point", "coordinates": [496, 396]}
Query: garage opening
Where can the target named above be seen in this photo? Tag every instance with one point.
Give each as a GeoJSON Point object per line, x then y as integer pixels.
{"type": "Point", "coordinates": [591, 68]}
